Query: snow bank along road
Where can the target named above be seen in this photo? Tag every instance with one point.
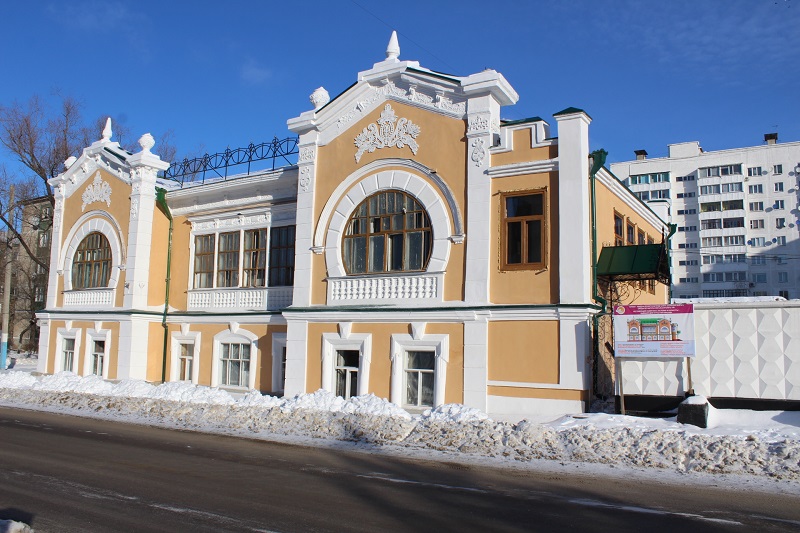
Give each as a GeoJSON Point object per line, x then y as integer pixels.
{"type": "Point", "coordinates": [61, 473]}
{"type": "Point", "coordinates": [745, 446]}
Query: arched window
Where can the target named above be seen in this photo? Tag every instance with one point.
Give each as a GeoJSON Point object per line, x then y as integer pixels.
{"type": "Point", "coordinates": [91, 266]}
{"type": "Point", "coordinates": [388, 232]}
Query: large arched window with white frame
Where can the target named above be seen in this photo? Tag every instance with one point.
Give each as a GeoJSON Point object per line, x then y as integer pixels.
{"type": "Point", "coordinates": [389, 231]}
{"type": "Point", "coordinates": [91, 264]}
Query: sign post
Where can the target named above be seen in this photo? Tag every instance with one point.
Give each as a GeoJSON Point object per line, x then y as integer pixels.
{"type": "Point", "coordinates": [654, 332]}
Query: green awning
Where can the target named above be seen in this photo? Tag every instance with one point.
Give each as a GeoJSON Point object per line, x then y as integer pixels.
{"type": "Point", "coordinates": [629, 263]}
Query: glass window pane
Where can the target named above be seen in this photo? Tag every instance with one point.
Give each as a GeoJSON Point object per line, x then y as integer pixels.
{"type": "Point", "coordinates": [412, 384]}
{"type": "Point", "coordinates": [534, 241]}
{"type": "Point", "coordinates": [376, 253]}
{"type": "Point", "coordinates": [426, 393]}
{"type": "Point", "coordinates": [396, 252]}
{"type": "Point", "coordinates": [514, 242]}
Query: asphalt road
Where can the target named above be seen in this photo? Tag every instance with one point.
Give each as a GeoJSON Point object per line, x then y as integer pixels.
{"type": "Point", "coordinates": [63, 474]}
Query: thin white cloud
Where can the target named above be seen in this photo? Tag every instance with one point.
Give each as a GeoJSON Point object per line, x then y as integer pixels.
{"type": "Point", "coordinates": [253, 73]}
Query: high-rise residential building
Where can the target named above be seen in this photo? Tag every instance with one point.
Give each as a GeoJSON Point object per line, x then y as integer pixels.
{"type": "Point", "coordinates": [735, 212]}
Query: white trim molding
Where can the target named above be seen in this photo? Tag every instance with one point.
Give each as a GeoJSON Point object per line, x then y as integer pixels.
{"type": "Point", "coordinates": [278, 346]}
{"type": "Point", "coordinates": [92, 335]}
{"type": "Point", "coordinates": [62, 334]}
{"type": "Point", "coordinates": [400, 345]}
{"type": "Point", "coordinates": [241, 336]}
{"type": "Point", "coordinates": [344, 340]}
{"type": "Point", "coordinates": [93, 221]}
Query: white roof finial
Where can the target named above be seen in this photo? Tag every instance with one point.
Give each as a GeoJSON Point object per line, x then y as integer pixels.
{"type": "Point", "coordinates": [393, 49]}
{"type": "Point", "coordinates": [107, 130]}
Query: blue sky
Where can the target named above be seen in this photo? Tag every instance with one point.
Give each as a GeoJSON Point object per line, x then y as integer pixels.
{"type": "Point", "coordinates": [649, 73]}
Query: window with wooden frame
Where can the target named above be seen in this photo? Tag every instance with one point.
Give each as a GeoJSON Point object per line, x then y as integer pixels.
{"type": "Point", "coordinates": [91, 266]}
{"type": "Point", "coordinates": [630, 233]}
{"type": "Point", "coordinates": [281, 256]}
{"type": "Point", "coordinates": [641, 238]}
{"type": "Point", "coordinates": [619, 229]}
{"type": "Point", "coordinates": [523, 238]}
{"type": "Point", "coordinates": [388, 232]}
{"type": "Point", "coordinates": [204, 261]}
{"type": "Point", "coordinates": [228, 260]}
{"type": "Point", "coordinates": [255, 258]}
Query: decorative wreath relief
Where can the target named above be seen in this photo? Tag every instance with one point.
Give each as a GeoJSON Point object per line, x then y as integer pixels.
{"type": "Point", "coordinates": [98, 191]}
{"type": "Point", "coordinates": [386, 134]}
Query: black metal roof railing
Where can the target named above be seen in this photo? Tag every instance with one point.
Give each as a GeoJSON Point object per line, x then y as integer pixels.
{"type": "Point", "coordinates": [217, 165]}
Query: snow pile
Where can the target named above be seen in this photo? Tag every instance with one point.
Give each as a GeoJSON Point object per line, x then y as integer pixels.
{"type": "Point", "coordinates": [737, 442]}
{"type": "Point", "coordinates": [10, 526]}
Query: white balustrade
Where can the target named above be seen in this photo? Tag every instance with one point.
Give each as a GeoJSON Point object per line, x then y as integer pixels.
{"type": "Point", "coordinates": [385, 288]}
{"type": "Point", "coordinates": [89, 298]}
{"type": "Point", "coordinates": [256, 299]}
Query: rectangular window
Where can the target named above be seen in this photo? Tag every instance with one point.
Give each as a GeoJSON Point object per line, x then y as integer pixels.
{"type": "Point", "coordinates": [757, 223]}
{"type": "Point", "coordinates": [709, 242]}
{"type": "Point", "coordinates": [234, 365]}
{"type": "Point", "coordinates": [255, 258]}
{"type": "Point", "coordinates": [228, 260]}
{"type": "Point", "coordinates": [619, 224]}
{"type": "Point", "coordinates": [756, 206]}
{"type": "Point", "coordinates": [659, 194]}
{"type": "Point", "coordinates": [778, 186]}
{"type": "Point", "coordinates": [779, 204]}
{"type": "Point", "coordinates": [731, 205]}
{"type": "Point", "coordinates": [736, 222]}
{"type": "Point", "coordinates": [641, 237]}
{"type": "Point", "coordinates": [710, 207]}
{"type": "Point", "coordinates": [753, 171]}
{"type": "Point", "coordinates": [347, 373]}
{"type": "Point", "coordinates": [690, 177]}
{"type": "Point", "coordinates": [732, 187]}
{"type": "Point", "coordinates": [758, 259]}
{"type": "Point", "coordinates": [689, 280]}
{"type": "Point", "coordinates": [44, 239]}
{"type": "Point", "coordinates": [709, 189]}
{"type": "Point", "coordinates": [781, 259]}
{"type": "Point", "coordinates": [757, 241]}
{"type": "Point", "coordinates": [783, 277]}
{"type": "Point", "coordinates": [630, 233]}
{"type": "Point", "coordinates": [780, 241]}
{"type": "Point", "coordinates": [713, 277]}
{"type": "Point", "coordinates": [761, 277]}
{"type": "Point", "coordinates": [643, 195]}
{"type": "Point", "coordinates": [733, 240]}
{"type": "Point", "coordinates": [687, 245]}
{"type": "Point", "coordinates": [735, 258]}
{"type": "Point", "coordinates": [98, 357]}
{"type": "Point", "coordinates": [687, 211]}
{"type": "Point", "coordinates": [686, 195]}
{"type": "Point", "coordinates": [185, 362]}
{"type": "Point", "coordinates": [712, 259]}
{"type": "Point", "coordinates": [203, 261]}
{"type": "Point", "coordinates": [783, 294]}
{"type": "Point", "coordinates": [685, 228]}
{"type": "Point", "coordinates": [755, 189]}
{"type": "Point", "coordinates": [39, 294]}
{"type": "Point", "coordinates": [69, 354]}
{"type": "Point", "coordinates": [281, 256]}
{"type": "Point", "coordinates": [419, 378]}
{"type": "Point", "coordinates": [523, 230]}
{"type": "Point", "coordinates": [778, 169]}
{"type": "Point", "coordinates": [692, 262]}
{"type": "Point", "coordinates": [780, 223]}
{"type": "Point", "coordinates": [736, 276]}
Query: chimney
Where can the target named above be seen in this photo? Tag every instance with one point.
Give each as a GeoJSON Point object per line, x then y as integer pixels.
{"type": "Point", "coordinates": [771, 138]}
{"type": "Point", "coordinates": [640, 154]}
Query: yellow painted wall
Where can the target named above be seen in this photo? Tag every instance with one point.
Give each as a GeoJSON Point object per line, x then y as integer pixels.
{"type": "Point", "coordinates": [159, 245]}
{"type": "Point", "coordinates": [607, 205]}
{"type": "Point", "coordinates": [524, 351]}
{"type": "Point", "coordinates": [314, 354]}
{"type": "Point", "coordinates": [155, 352]}
{"type": "Point", "coordinates": [113, 348]}
{"type": "Point", "coordinates": [442, 148]}
{"type": "Point", "coordinates": [523, 152]}
{"type": "Point", "coordinates": [545, 394]}
{"type": "Point", "coordinates": [179, 274]}
{"type": "Point", "coordinates": [525, 286]}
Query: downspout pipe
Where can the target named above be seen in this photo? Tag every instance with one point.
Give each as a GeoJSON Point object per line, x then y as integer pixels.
{"type": "Point", "coordinates": [161, 201]}
{"type": "Point", "coordinates": [597, 159]}
{"type": "Point", "coordinates": [672, 229]}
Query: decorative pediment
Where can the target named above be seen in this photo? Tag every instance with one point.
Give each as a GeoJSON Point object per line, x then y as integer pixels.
{"type": "Point", "coordinates": [386, 134]}
{"type": "Point", "coordinates": [98, 191]}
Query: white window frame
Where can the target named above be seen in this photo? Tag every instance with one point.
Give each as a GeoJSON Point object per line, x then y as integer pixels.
{"type": "Point", "coordinates": [237, 335]}
{"type": "Point", "coordinates": [344, 340]}
{"type": "Point", "coordinates": [184, 337]}
{"type": "Point", "coordinates": [278, 345]}
{"type": "Point", "coordinates": [92, 335]}
{"type": "Point", "coordinates": [401, 344]}
{"type": "Point", "coordinates": [94, 221]}
{"type": "Point", "coordinates": [67, 333]}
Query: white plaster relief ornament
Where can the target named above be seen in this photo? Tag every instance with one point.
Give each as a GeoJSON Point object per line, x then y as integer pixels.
{"type": "Point", "coordinates": [478, 151]}
{"type": "Point", "coordinates": [98, 191]}
{"type": "Point", "coordinates": [386, 134]}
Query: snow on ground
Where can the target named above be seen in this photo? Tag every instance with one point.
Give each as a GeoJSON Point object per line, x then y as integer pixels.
{"type": "Point", "coordinates": [10, 526]}
{"type": "Point", "coordinates": [761, 444]}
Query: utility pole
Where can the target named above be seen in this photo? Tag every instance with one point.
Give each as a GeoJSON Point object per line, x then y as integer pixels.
{"type": "Point", "coordinates": [6, 292]}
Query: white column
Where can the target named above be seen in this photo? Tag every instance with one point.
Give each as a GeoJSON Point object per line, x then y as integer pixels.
{"type": "Point", "coordinates": [476, 359]}
{"type": "Point", "coordinates": [305, 221]}
{"type": "Point", "coordinates": [296, 357]}
{"type": "Point", "coordinates": [134, 335]}
{"type": "Point", "coordinates": [574, 238]}
{"type": "Point", "coordinates": [44, 346]}
{"type": "Point", "coordinates": [481, 112]}
{"type": "Point", "coordinates": [575, 350]}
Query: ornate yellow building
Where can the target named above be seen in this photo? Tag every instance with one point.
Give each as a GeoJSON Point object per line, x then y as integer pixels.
{"type": "Point", "coordinates": [422, 249]}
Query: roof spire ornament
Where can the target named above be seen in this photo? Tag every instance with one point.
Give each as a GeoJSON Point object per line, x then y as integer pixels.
{"type": "Point", "coordinates": [393, 49]}
{"type": "Point", "coordinates": [107, 130]}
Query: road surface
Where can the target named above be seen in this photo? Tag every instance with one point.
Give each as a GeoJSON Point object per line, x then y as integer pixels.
{"type": "Point", "coordinates": [62, 474]}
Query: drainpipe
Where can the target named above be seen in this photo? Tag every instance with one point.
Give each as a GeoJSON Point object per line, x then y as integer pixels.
{"type": "Point", "coordinates": [672, 229]}
{"type": "Point", "coordinates": [598, 159]}
{"type": "Point", "coordinates": [161, 201]}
